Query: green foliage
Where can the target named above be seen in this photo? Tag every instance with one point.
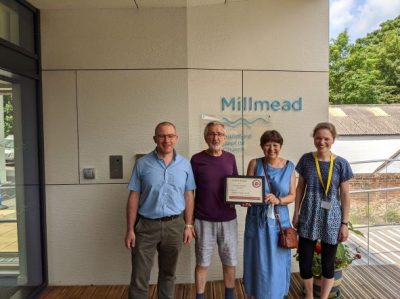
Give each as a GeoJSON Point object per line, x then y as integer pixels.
{"type": "Point", "coordinates": [392, 217]}
{"type": "Point", "coordinates": [317, 265]}
{"type": "Point", "coordinates": [353, 218]}
{"type": "Point", "coordinates": [344, 255]}
{"type": "Point", "coordinates": [355, 231]}
{"type": "Point", "coordinates": [368, 71]}
{"type": "Point", "coordinates": [8, 115]}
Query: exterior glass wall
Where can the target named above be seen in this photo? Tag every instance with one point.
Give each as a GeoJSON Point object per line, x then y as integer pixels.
{"type": "Point", "coordinates": [22, 258]}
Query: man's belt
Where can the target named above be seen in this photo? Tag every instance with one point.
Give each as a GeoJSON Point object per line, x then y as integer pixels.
{"type": "Point", "coordinates": [162, 219]}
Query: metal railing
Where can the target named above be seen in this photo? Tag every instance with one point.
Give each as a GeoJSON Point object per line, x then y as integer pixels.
{"type": "Point", "coordinates": [380, 224]}
{"type": "Point", "coordinates": [382, 229]}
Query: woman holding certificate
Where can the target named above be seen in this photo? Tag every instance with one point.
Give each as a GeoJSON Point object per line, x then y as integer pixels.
{"type": "Point", "coordinates": [323, 195]}
{"type": "Point", "coordinates": [267, 267]}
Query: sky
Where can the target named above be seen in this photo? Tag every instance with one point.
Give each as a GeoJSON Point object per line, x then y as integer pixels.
{"type": "Point", "coordinates": [360, 16]}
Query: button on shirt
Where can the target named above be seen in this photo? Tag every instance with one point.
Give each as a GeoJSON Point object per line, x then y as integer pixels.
{"type": "Point", "coordinates": [161, 187]}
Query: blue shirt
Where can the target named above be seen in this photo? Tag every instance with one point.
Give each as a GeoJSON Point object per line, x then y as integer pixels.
{"type": "Point", "coordinates": [161, 187]}
{"type": "Point", "coordinates": [316, 223]}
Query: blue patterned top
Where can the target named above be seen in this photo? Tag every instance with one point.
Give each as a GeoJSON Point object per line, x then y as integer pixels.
{"type": "Point", "coordinates": [316, 223]}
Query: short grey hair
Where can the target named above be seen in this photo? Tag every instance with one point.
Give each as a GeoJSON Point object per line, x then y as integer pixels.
{"type": "Point", "coordinates": [212, 124]}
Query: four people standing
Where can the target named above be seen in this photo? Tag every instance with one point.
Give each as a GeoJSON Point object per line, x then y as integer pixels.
{"type": "Point", "coordinates": [162, 185]}
{"type": "Point", "coordinates": [215, 221]}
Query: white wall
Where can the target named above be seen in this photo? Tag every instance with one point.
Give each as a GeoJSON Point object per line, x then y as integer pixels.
{"type": "Point", "coordinates": [289, 35]}
{"type": "Point", "coordinates": [110, 75]}
{"type": "Point", "coordinates": [114, 38]}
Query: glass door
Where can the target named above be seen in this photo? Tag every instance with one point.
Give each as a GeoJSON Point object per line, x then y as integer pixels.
{"type": "Point", "coordinates": [21, 226]}
{"type": "Point", "coordinates": [22, 232]}
{"type": "Point", "coordinates": [9, 259]}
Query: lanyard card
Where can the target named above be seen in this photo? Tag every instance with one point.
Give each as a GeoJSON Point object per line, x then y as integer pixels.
{"type": "Point", "coordinates": [326, 204]}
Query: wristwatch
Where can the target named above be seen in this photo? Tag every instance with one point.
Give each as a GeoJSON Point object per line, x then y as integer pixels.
{"type": "Point", "coordinates": [344, 223]}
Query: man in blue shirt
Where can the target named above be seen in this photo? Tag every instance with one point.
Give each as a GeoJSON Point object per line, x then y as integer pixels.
{"type": "Point", "coordinates": [161, 187]}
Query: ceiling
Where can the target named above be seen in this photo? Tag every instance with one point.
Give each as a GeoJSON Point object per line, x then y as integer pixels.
{"type": "Point", "coordinates": [93, 4]}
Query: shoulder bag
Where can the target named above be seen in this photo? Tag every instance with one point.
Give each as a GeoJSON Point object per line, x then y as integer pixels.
{"type": "Point", "coordinates": [287, 236]}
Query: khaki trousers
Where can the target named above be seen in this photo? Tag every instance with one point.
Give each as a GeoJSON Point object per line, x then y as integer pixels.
{"type": "Point", "coordinates": [165, 237]}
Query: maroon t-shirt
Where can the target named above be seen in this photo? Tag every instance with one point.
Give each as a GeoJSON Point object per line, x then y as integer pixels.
{"type": "Point", "coordinates": [209, 174]}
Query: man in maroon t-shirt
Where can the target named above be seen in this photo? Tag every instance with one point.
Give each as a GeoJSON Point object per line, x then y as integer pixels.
{"type": "Point", "coordinates": [215, 221]}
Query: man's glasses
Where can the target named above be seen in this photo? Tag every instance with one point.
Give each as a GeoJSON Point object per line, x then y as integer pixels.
{"type": "Point", "coordinates": [169, 136]}
{"type": "Point", "coordinates": [218, 134]}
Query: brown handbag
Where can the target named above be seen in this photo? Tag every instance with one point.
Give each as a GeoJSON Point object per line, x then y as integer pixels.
{"type": "Point", "coordinates": [287, 236]}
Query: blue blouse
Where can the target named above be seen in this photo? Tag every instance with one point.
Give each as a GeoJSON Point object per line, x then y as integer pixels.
{"type": "Point", "coordinates": [316, 223]}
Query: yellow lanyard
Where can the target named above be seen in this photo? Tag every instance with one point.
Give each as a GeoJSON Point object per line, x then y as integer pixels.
{"type": "Point", "coordinates": [328, 183]}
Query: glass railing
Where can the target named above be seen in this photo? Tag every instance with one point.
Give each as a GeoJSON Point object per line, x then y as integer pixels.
{"type": "Point", "coordinates": [375, 211]}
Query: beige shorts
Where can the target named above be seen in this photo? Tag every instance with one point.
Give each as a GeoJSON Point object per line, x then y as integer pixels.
{"type": "Point", "coordinates": [208, 234]}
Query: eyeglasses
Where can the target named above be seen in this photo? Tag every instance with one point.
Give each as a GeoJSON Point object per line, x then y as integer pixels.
{"type": "Point", "coordinates": [169, 136]}
{"type": "Point", "coordinates": [218, 134]}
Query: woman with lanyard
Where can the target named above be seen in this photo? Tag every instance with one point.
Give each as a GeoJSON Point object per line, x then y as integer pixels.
{"type": "Point", "coordinates": [322, 207]}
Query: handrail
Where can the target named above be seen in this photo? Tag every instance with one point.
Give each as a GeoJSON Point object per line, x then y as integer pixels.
{"type": "Point", "coordinates": [374, 190]}
{"type": "Point", "coordinates": [368, 191]}
{"type": "Point", "coordinates": [7, 187]}
{"type": "Point", "coordinates": [373, 161]}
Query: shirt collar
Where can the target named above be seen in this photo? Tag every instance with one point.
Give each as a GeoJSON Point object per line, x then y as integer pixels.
{"type": "Point", "coordinates": [159, 158]}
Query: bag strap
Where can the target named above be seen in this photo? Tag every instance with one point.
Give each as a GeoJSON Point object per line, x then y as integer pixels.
{"type": "Point", "coordinates": [267, 178]}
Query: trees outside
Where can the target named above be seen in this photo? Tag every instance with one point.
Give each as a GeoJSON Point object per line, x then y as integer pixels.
{"type": "Point", "coordinates": [8, 115]}
{"type": "Point", "coordinates": [368, 71]}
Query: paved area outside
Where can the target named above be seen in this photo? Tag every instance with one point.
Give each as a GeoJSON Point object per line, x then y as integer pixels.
{"type": "Point", "coordinates": [9, 260]}
{"type": "Point", "coordinates": [383, 245]}
{"type": "Point", "coordinates": [8, 230]}
{"type": "Point", "coordinates": [8, 237]}
{"type": "Point", "coordinates": [8, 211]}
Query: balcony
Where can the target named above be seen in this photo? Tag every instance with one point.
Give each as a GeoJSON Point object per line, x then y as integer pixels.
{"type": "Point", "coordinates": [375, 211]}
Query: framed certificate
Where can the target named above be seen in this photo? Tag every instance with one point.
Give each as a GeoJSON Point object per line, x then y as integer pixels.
{"type": "Point", "coordinates": [244, 189]}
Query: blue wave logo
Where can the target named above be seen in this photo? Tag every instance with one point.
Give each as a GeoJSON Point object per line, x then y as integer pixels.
{"type": "Point", "coordinates": [244, 121]}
